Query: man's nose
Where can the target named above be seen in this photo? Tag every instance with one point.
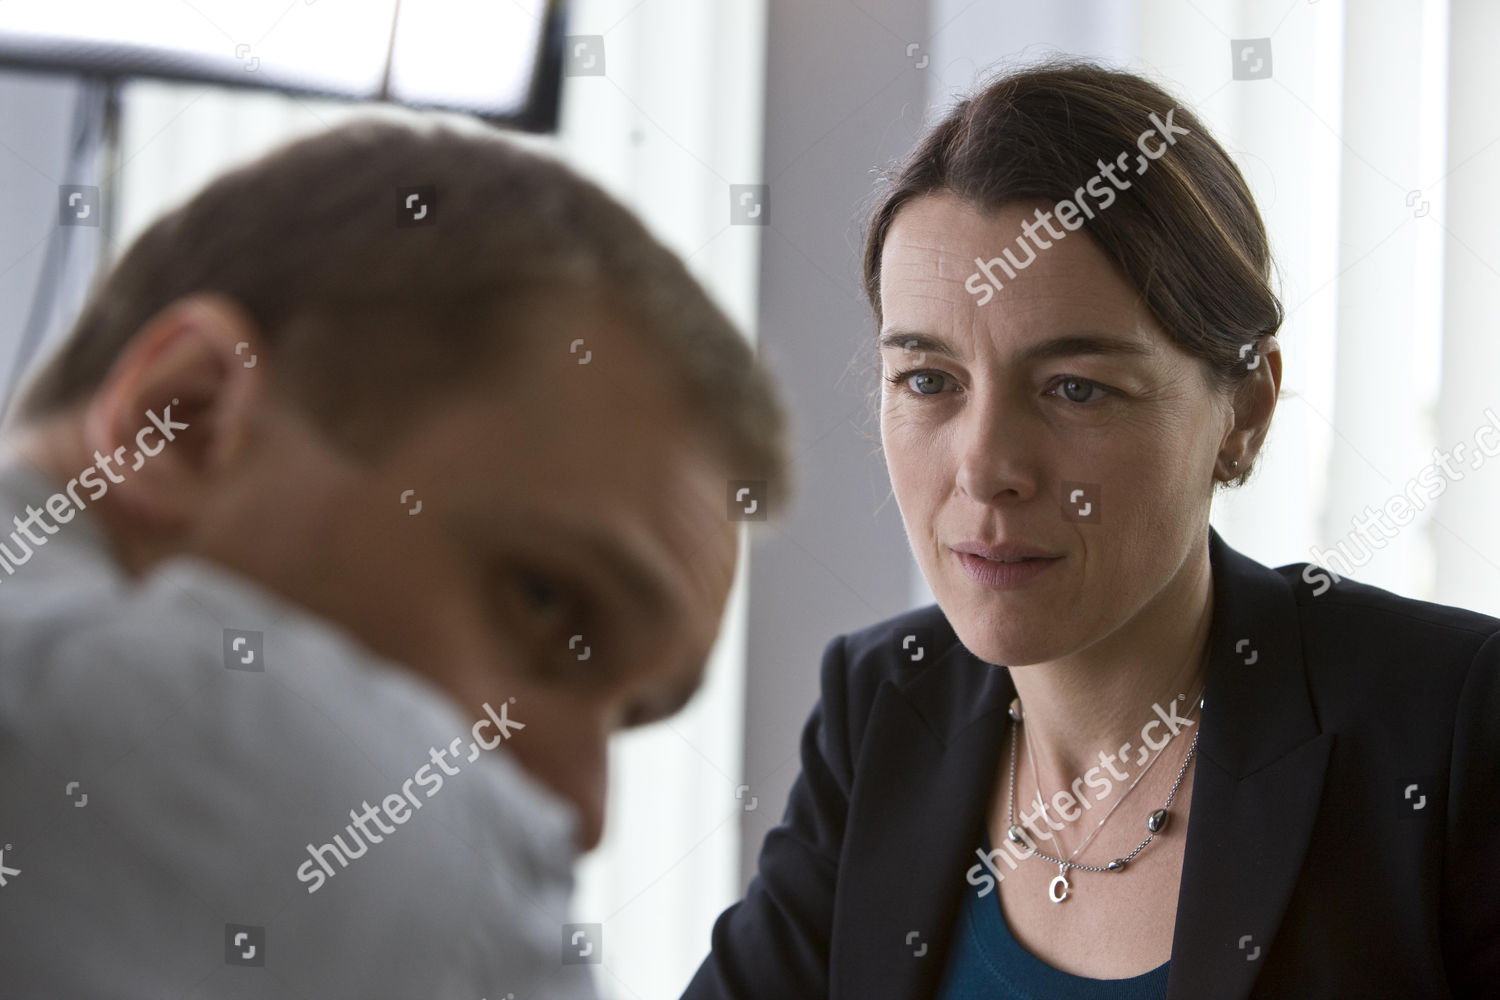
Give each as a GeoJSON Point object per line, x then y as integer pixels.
{"type": "Point", "coordinates": [568, 751]}
{"type": "Point", "coordinates": [591, 822]}
{"type": "Point", "coordinates": [587, 788]}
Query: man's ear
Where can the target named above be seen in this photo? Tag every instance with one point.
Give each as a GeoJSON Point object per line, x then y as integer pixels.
{"type": "Point", "coordinates": [176, 409]}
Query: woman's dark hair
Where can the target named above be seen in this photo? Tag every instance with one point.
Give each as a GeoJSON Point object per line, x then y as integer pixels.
{"type": "Point", "coordinates": [1186, 232]}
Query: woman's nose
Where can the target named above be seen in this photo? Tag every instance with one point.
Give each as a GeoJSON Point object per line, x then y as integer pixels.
{"type": "Point", "coordinates": [994, 451]}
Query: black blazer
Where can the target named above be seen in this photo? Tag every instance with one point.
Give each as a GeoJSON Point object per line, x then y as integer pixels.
{"type": "Point", "coordinates": [1312, 867]}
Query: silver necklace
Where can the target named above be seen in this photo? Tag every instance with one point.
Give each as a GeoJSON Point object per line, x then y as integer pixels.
{"type": "Point", "coordinates": [1036, 777]}
{"type": "Point", "coordinates": [1156, 821]}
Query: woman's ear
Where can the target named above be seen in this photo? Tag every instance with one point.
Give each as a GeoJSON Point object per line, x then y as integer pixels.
{"type": "Point", "coordinates": [1254, 404]}
{"type": "Point", "coordinates": [174, 412]}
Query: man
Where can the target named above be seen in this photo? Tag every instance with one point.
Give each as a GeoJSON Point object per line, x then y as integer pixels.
{"type": "Point", "coordinates": [374, 488]}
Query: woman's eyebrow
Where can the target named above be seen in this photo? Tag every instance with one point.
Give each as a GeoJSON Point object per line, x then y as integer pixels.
{"type": "Point", "coordinates": [924, 342]}
{"type": "Point", "coordinates": [1069, 346]}
{"type": "Point", "coordinates": [1077, 344]}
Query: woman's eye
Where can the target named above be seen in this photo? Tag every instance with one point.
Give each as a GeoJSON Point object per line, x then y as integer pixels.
{"type": "Point", "coordinates": [1078, 390]}
{"type": "Point", "coordinates": [923, 383]}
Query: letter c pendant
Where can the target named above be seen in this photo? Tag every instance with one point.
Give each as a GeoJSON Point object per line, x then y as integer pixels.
{"type": "Point", "coordinates": [1057, 889]}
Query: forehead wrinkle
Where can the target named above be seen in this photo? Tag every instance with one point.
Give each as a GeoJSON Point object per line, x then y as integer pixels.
{"type": "Point", "coordinates": [925, 269]}
{"type": "Point", "coordinates": [1062, 294]}
{"type": "Point", "coordinates": [926, 246]}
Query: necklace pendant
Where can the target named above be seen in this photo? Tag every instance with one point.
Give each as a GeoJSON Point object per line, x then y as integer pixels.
{"type": "Point", "coordinates": [1156, 821]}
{"type": "Point", "coordinates": [1057, 889]}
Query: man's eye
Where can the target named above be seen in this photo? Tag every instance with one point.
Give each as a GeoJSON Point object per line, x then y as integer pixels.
{"type": "Point", "coordinates": [543, 594]}
{"type": "Point", "coordinates": [555, 619]}
{"type": "Point", "coordinates": [552, 602]}
{"type": "Point", "coordinates": [528, 598]}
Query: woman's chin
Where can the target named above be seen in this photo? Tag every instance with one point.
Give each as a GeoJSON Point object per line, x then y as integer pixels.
{"type": "Point", "coordinates": [1005, 646]}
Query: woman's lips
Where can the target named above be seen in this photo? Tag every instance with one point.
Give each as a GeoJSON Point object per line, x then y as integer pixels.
{"type": "Point", "coordinates": [1003, 575]}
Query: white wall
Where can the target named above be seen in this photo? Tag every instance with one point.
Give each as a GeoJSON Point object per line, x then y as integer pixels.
{"type": "Point", "coordinates": [843, 96]}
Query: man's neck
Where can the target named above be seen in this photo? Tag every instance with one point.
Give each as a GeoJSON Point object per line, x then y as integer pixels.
{"type": "Point", "coordinates": [55, 449]}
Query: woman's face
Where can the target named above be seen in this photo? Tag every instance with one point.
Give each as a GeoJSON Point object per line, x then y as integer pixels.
{"type": "Point", "coordinates": [1057, 417]}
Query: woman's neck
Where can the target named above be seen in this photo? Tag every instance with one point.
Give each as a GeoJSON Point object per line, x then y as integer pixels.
{"type": "Point", "coordinates": [1100, 699]}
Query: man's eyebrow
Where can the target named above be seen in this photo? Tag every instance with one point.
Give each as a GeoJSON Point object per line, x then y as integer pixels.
{"type": "Point", "coordinates": [579, 552]}
{"type": "Point", "coordinates": [628, 568]}
{"type": "Point", "coordinates": [1073, 345]}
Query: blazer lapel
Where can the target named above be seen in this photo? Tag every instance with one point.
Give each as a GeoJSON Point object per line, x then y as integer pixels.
{"type": "Point", "coordinates": [1256, 787]}
{"type": "Point", "coordinates": [928, 761]}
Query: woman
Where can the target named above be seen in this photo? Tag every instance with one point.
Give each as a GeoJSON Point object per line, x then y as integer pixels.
{"type": "Point", "coordinates": [1197, 776]}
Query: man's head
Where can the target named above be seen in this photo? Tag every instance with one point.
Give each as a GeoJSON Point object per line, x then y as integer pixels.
{"type": "Point", "coordinates": [491, 439]}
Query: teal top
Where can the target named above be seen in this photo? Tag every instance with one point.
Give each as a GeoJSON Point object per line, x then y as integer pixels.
{"type": "Point", "coordinates": [988, 963]}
